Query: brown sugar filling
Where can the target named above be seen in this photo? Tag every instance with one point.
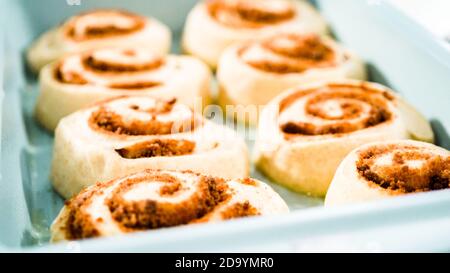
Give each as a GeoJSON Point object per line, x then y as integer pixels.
{"type": "Point", "coordinates": [349, 100]}
{"type": "Point", "coordinates": [210, 193]}
{"type": "Point", "coordinates": [98, 65]}
{"type": "Point", "coordinates": [239, 210]}
{"type": "Point", "coordinates": [79, 224]}
{"type": "Point", "coordinates": [171, 188]}
{"type": "Point", "coordinates": [71, 77]}
{"type": "Point", "coordinates": [106, 120]}
{"type": "Point", "coordinates": [109, 69]}
{"type": "Point", "coordinates": [150, 214]}
{"type": "Point", "coordinates": [433, 174]}
{"type": "Point", "coordinates": [247, 14]}
{"type": "Point", "coordinates": [248, 181]}
{"type": "Point", "coordinates": [157, 147]}
{"type": "Point", "coordinates": [302, 53]}
{"type": "Point", "coordinates": [135, 85]}
{"type": "Point", "coordinates": [104, 31]}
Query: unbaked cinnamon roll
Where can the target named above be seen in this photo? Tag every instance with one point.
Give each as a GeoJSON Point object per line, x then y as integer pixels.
{"type": "Point", "coordinates": [125, 135]}
{"type": "Point", "coordinates": [215, 24]}
{"type": "Point", "coordinates": [153, 199]}
{"type": "Point", "coordinates": [96, 29]}
{"type": "Point", "coordinates": [250, 74]}
{"type": "Point", "coordinates": [304, 133]}
{"type": "Point", "coordinates": [391, 168]}
{"type": "Point", "coordinates": [78, 80]}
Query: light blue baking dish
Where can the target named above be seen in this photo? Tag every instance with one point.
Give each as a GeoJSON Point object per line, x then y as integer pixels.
{"type": "Point", "coordinates": [400, 54]}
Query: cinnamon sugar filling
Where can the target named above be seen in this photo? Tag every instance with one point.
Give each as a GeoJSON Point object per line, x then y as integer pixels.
{"type": "Point", "coordinates": [98, 65]}
{"type": "Point", "coordinates": [107, 30]}
{"type": "Point", "coordinates": [239, 210]}
{"type": "Point", "coordinates": [108, 68]}
{"type": "Point", "coordinates": [157, 147]}
{"type": "Point", "coordinates": [150, 214]}
{"type": "Point", "coordinates": [79, 224]}
{"type": "Point", "coordinates": [249, 14]}
{"type": "Point", "coordinates": [433, 173]}
{"type": "Point", "coordinates": [135, 85]}
{"type": "Point", "coordinates": [248, 181]}
{"type": "Point", "coordinates": [70, 77]}
{"type": "Point", "coordinates": [294, 54]}
{"type": "Point", "coordinates": [108, 121]}
{"type": "Point", "coordinates": [132, 215]}
{"type": "Point", "coordinates": [351, 116]}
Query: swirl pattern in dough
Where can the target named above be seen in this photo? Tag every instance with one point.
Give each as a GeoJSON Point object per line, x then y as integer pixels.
{"type": "Point", "coordinates": [78, 80]}
{"type": "Point", "coordinates": [128, 134]}
{"type": "Point", "coordinates": [97, 29]}
{"type": "Point", "coordinates": [213, 25]}
{"type": "Point", "coordinates": [304, 133]}
{"type": "Point", "coordinates": [250, 74]}
{"type": "Point", "coordinates": [391, 168]}
{"type": "Point", "coordinates": [153, 199]}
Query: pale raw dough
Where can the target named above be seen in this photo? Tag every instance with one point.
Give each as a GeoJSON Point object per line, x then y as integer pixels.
{"type": "Point", "coordinates": [307, 163]}
{"type": "Point", "coordinates": [182, 77]}
{"type": "Point", "coordinates": [55, 43]}
{"type": "Point", "coordinates": [260, 197]}
{"type": "Point", "coordinates": [246, 87]}
{"type": "Point", "coordinates": [83, 154]}
{"type": "Point", "coordinates": [349, 187]}
{"type": "Point", "coordinates": [206, 38]}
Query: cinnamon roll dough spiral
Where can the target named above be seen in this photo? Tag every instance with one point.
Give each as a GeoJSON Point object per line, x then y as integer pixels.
{"type": "Point", "coordinates": [250, 74]}
{"type": "Point", "coordinates": [391, 168]}
{"type": "Point", "coordinates": [125, 135]}
{"type": "Point", "coordinates": [213, 25]}
{"type": "Point", "coordinates": [96, 29]}
{"type": "Point", "coordinates": [304, 133]}
{"type": "Point", "coordinates": [153, 199]}
{"type": "Point", "coordinates": [80, 79]}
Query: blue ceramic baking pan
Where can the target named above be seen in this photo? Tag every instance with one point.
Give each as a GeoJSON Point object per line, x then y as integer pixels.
{"type": "Point", "coordinates": [400, 53]}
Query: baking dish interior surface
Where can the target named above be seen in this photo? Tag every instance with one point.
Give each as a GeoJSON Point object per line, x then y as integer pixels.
{"type": "Point", "coordinates": [397, 57]}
